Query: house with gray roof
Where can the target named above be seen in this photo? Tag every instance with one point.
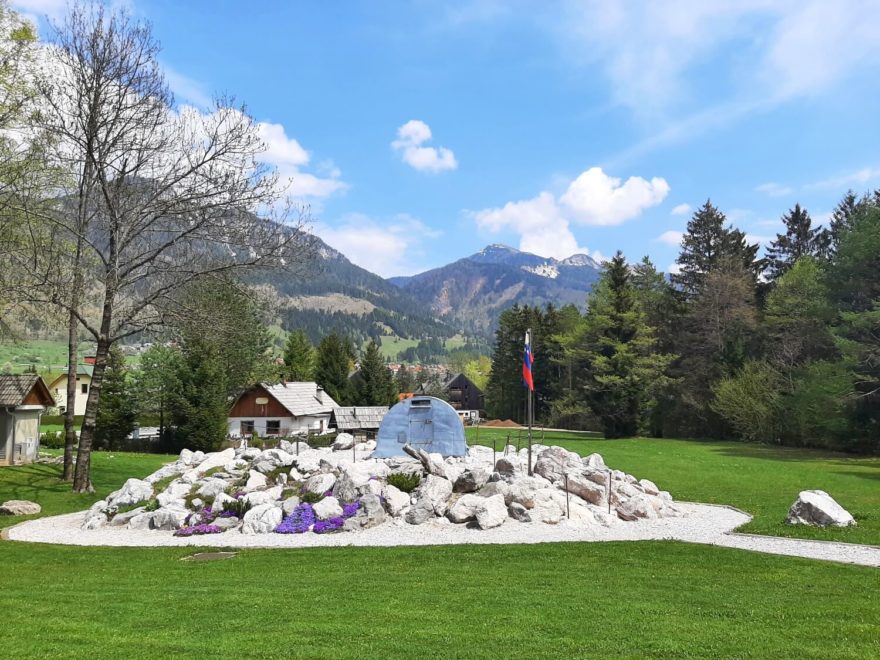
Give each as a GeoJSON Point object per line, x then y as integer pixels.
{"type": "Point", "coordinates": [281, 410]}
{"type": "Point", "coordinates": [23, 399]}
{"type": "Point", "coordinates": [358, 420]}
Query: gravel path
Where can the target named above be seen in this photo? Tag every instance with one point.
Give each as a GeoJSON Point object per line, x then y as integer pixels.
{"type": "Point", "coordinates": [701, 523]}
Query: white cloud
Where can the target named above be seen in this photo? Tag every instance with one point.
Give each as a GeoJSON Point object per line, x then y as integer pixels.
{"type": "Point", "coordinates": [593, 198]}
{"type": "Point", "coordinates": [187, 89]}
{"type": "Point", "coordinates": [37, 9]}
{"type": "Point", "coordinates": [774, 189]}
{"type": "Point", "coordinates": [681, 209]}
{"type": "Point", "coordinates": [393, 247]}
{"type": "Point", "coordinates": [751, 239]}
{"type": "Point", "coordinates": [856, 178]}
{"type": "Point", "coordinates": [670, 237]}
{"type": "Point", "coordinates": [409, 144]}
{"type": "Point", "coordinates": [673, 269]}
{"type": "Point", "coordinates": [289, 157]}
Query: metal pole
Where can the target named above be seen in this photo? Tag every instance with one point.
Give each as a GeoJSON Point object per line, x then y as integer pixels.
{"type": "Point", "coordinates": [530, 432]}
{"type": "Point", "coordinates": [567, 507]}
{"type": "Point", "coordinates": [609, 491]}
{"type": "Point", "coordinates": [507, 443]}
{"type": "Point", "coordinates": [493, 452]}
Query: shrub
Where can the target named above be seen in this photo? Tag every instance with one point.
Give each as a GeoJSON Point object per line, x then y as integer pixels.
{"type": "Point", "coordinates": [152, 505]}
{"type": "Point", "coordinates": [317, 441]}
{"type": "Point", "coordinates": [751, 401]}
{"type": "Point", "coordinates": [52, 440]}
{"type": "Point", "coordinates": [403, 481]}
{"type": "Point", "coordinates": [237, 508]}
{"type": "Point", "coordinates": [311, 498]}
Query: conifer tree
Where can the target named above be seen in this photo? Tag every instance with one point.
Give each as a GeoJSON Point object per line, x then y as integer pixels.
{"type": "Point", "coordinates": [624, 372]}
{"type": "Point", "coordinates": [800, 239]}
{"type": "Point", "coordinates": [335, 357]}
{"type": "Point", "coordinates": [404, 381]}
{"type": "Point", "coordinates": [376, 385]}
{"type": "Point", "coordinates": [299, 357]}
{"type": "Point", "coordinates": [117, 412]}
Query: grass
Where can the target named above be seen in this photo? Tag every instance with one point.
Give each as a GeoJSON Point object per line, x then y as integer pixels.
{"type": "Point", "coordinates": [656, 599]}
{"type": "Point", "coordinates": [391, 346]}
{"type": "Point", "coordinates": [760, 479]}
{"type": "Point", "coordinates": [554, 600]}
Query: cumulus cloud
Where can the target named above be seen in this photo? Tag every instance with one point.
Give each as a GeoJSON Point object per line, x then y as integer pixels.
{"type": "Point", "coordinates": [670, 237]}
{"type": "Point", "coordinates": [594, 198]}
{"type": "Point", "coordinates": [774, 189]}
{"type": "Point", "coordinates": [681, 209]}
{"type": "Point", "coordinates": [544, 223]}
{"type": "Point", "coordinates": [411, 138]}
{"type": "Point", "coordinates": [289, 157]}
{"type": "Point", "coordinates": [859, 177]}
{"type": "Point", "coordinates": [392, 247]}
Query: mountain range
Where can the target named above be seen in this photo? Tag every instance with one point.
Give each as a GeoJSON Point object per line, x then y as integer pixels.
{"type": "Point", "coordinates": [466, 296]}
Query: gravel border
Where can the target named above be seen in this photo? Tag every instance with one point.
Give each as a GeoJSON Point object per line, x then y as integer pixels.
{"type": "Point", "coordinates": [700, 523]}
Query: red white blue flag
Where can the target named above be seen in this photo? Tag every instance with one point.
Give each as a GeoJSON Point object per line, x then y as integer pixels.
{"type": "Point", "coordinates": [527, 363]}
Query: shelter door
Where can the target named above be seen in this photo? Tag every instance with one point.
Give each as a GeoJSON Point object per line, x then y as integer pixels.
{"type": "Point", "coordinates": [421, 426]}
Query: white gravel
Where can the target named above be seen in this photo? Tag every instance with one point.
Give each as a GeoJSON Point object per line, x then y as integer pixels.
{"type": "Point", "coordinates": [700, 523]}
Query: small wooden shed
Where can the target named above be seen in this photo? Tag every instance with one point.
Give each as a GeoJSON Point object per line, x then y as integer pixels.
{"type": "Point", "coordinates": [358, 420]}
{"type": "Point", "coordinates": [23, 399]}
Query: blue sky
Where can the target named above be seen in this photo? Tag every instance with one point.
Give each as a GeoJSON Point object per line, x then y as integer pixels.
{"type": "Point", "coordinates": [421, 131]}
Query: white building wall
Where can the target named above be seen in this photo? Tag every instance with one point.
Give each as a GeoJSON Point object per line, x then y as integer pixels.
{"type": "Point", "coordinates": [289, 425]}
{"type": "Point", "coordinates": [59, 392]}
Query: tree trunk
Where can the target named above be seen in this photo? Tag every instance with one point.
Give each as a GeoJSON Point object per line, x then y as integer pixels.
{"type": "Point", "coordinates": [70, 410]}
{"type": "Point", "coordinates": [82, 480]}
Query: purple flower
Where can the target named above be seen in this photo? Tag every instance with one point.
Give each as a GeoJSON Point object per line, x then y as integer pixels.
{"type": "Point", "coordinates": [328, 493]}
{"type": "Point", "coordinates": [299, 521]}
{"type": "Point", "coordinates": [329, 525]}
{"type": "Point", "coordinates": [198, 530]}
{"type": "Point", "coordinates": [351, 509]}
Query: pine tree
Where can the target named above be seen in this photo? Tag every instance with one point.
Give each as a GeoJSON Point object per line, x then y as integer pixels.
{"type": "Point", "coordinates": [335, 356]}
{"type": "Point", "coordinates": [842, 216]}
{"type": "Point", "coordinates": [800, 239]}
{"type": "Point", "coordinates": [117, 412]}
{"type": "Point", "coordinates": [624, 371]}
{"type": "Point", "coordinates": [299, 357]}
{"type": "Point", "coordinates": [706, 243]}
{"type": "Point", "coordinates": [404, 381]}
{"type": "Point", "coordinates": [203, 403]}
{"type": "Point", "coordinates": [376, 387]}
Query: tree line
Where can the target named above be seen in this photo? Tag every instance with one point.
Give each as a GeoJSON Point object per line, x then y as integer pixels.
{"type": "Point", "coordinates": [783, 348]}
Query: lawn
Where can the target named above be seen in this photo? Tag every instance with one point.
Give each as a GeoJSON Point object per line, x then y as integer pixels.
{"type": "Point", "coordinates": [551, 600]}
{"type": "Point", "coordinates": [760, 479]}
{"type": "Point", "coordinates": [391, 346]}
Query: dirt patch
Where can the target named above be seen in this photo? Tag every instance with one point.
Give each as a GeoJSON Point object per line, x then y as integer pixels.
{"type": "Point", "coordinates": [502, 424]}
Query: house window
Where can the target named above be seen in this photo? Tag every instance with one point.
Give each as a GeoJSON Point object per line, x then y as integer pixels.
{"type": "Point", "coordinates": [247, 427]}
{"type": "Point", "coordinates": [273, 427]}
{"type": "Point", "coordinates": [84, 388]}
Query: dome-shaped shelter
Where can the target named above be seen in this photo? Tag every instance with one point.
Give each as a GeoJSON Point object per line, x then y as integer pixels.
{"type": "Point", "coordinates": [424, 422]}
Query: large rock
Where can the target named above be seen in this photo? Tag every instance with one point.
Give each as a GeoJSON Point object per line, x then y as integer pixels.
{"type": "Point", "coordinates": [434, 492]}
{"type": "Point", "coordinates": [370, 512]}
{"type": "Point", "coordinates": [271, 459]}
{"type": "Point", "coordinates": [141, 521]}
{"type": "Point", "coordinates": [471, 480]}
{"type": "Point", "coordinates": [122, 519]}
{"type": "Point", "coordinates": [523, 489]}
{"type": "Point", "coordinates": [259, 498]}
{"type": "Point", "coordinates": [169, 518]}
{"type": "Point", "coordinates": [553, 463]}
{"type": "Point", "coordinates": [343, 441]}
{"type": "Point", "coordinates": [419, 513]}
{"type": "Point", "coordinates": [174, 494]}
{"type": "Point", "coordinates": [220, 502]}
{"type": "Point", "coordinates": [288, 505]}
{"type": "Point", "coordinates": [549, 506]}
{"type": "Point", "coordinates": [354, 479]}
{"type": "Point", "coordinates": [256, 480]}
{"type": "Point", "coordinates": [210, 488]}
{"type": "Point", "coordinates": [433, 463]}
{"type": "Point", "coordinates": [594, 461]}
{"type": "Point", "coordinates": [133, 491]}
{"type": "Point", "coordinates": [320, 483]}
{"type": "Point", "coordinates": [518, 512]}
{"type": "Point", "coordinates": [395, 500]}
{"type": "Point", "coordinates": [818, 508]}
{"type": "Point", "coordinates": [636, 507]}
{"type": "Point", "coordinates": [216, 459]}
{"type": "Point", "coordinates": [493, 488]}
{"type": "Point", "coordinates": [492, 512]}
{"type": "Point", "coordinates": [579, 484]}
{"type": "Point", "coordinates": [22, 507]}
{"type": "Point", "coordinates": [308, 461]}
{"type": "Point", "coordinates": [329, 507]}
{"type": "Point", "coordinates": [262, 519]}
{"type": "Point", "coordinates": [226, 523]}
{"type": "Point", "coordinates": [466, 508]}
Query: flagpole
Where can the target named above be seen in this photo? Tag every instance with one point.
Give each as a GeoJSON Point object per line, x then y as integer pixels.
{"type": "Point", "coordinates": [529, 413]}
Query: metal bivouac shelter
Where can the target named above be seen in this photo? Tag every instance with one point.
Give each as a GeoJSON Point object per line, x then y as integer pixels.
{"type": "Point", "coordinates": [424, 422]}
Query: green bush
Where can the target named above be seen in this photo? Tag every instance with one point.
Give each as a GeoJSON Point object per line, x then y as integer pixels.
{"type": "Point", "coordinates": [52, 440]}
{"type": "Point", "coordinates": [238, 507]}
{"type": "Point", "coordinates": [311, 498]}
{"type": "Point", "coordinates": [406, 482]}
{"type": "Point", "coordinates": [152, 505]}
{"type": "Point", "coordinates": [317, 441]}
{"type": "Point", "coordinates": [751, 401]}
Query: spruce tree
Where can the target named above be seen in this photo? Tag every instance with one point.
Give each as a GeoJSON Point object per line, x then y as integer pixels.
{"type": "Point", "coordinates": [203, 403]}
{"type": "Point", "coordinates": [376, 387]}
{"type": "Point", "coordinates": [705, 244]}
{"type": "Point", "coordinates": [299, 357]}
{"type": "Point", "coordinates": [335, 357]}
{"type": "Point", "coordinates": [800, 239]}
{"type": "Point", "coordinates": [624, 371]}
{"type": "Point", "coordinates": [404, 381]}
{"type": "Point", "coordinates": [117, 412]}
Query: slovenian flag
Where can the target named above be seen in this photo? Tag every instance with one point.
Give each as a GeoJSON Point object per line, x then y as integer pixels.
{"type": "Point", "coordinates": [527, 363]}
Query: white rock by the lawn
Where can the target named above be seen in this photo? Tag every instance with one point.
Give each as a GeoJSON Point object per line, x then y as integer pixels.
{"type": "Point", "coordinates": [466, 507]}
{"type": "Point", "coordinates": [320, 483]}
{"type": "Point", "coordinates": [216, 459]}
{"type": "Point", "coordinates": [492, 512]}
{"type": "Point", "coordinates": [133, 491]}
{"type": "Point", "coordinates": [818, 508]}
{"type": "Point", "coordinates": [24, 507]}
{"type": "Point", "coordinates": [256, 480]}
{"type": "Point", "coordinates": [261, 519]}
{"type": "Point", "coordinates": [395, 499]}
{"type": "Point", "coordinates": [211, 488]}
{"type": "Point", "coordinates": [329, 507]}
{"type": "Point", "coordinates": [169, 518]}
{"type": "Point", "coordinates": [435, 491]}
{"type": "Point", "coordinates": [471, 480]}
{"type": "Point", "coordinates": [270, 459]}
{"type": "Point", "coordinates": [523, 490]}
{"type": "Point", "coordinates": [343, 441]}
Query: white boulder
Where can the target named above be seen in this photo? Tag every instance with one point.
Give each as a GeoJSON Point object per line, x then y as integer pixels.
{"type": "Point", "coordinates": [329, 507]}
{"type": "Point", "coordinates": [26, 508]}
{"type": "Point", "coordinates": [492, 512]}
{"type": "Point", "coordinates": [343, 441]}
{"type": "Point", "coordinates": [818, 508]}
{"type": "Point", "coordinates": [320, 483]}
{"type": "Point", "coordinates": [133, 491]}
{"type": "Point", "coordinates": [261, 519]}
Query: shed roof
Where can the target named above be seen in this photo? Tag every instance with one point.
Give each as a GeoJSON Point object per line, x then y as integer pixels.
{"type": "Point", "coordinates": [15, 390]}
{"type": "Point", "coordinates": [353, 418]}
{"type": "Point", "coordinates": [302, 398]}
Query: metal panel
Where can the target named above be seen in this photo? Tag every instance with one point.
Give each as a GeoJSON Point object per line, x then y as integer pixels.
{"type": "Point", "coordinates": [425, 422]}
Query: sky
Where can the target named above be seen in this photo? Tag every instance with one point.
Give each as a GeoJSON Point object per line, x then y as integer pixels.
{"type": "Point", "coordinates": [419, 132]}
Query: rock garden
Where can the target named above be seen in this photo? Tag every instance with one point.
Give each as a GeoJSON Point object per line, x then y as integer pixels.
{"type": "Point", "coordinates": [297, 489]}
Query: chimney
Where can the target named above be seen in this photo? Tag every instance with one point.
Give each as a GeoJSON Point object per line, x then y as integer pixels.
{"type": "Point", "coordinates": [319, 394]}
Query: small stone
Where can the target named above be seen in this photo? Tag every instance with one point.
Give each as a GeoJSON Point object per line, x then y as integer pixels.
{"type": "Point", "coordinates": [492, 512]}
{"type": "Point", "coordinates": [24, 507]}
{"type": "Point", "coordinates": [329, 507]}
